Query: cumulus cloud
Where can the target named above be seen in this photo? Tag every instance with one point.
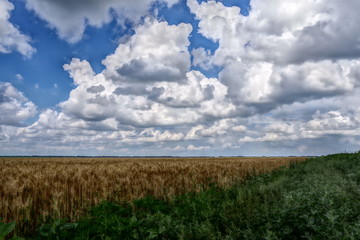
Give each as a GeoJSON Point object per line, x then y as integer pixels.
{"type": "Point", "coordinates": [288, 85]}
{"type": "Point", "coordinates": [155, 107]}
{"type": "Point", "coordinates": [128, 111]}
{"type": "Point", "coordinates": [281, 31]}
{"type": "Point", "coordinates": [266, 86]}
{"type": "Point", "coordinates": [201, 58]}
{"type": "Point", "coordinates": [283, 52]}
{"type": "Point", "coordinates": [15, 108]}
{"type": "Point", "coordinates": [310, 101]}
{"type": "Point", "coordinates": [197, 90]}
{"type": "Point", "coordinates": [157, 52]}
{"type": "Point", "coordinates": [11, 39]}
{"type": "Point", "coordinates": [70, 18]}
{"type": "Point", "coordinates": [160, 91]}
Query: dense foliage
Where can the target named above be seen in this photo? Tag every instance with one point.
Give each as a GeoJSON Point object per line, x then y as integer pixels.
{"type": "Point", "coordinates": [316, 199]}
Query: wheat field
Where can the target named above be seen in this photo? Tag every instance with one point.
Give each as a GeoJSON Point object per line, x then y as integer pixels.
{"type": "Point", "coordinates": [32, 189]}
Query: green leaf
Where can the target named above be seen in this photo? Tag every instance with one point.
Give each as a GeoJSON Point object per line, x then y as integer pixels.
{"type": "Point", "coordinates": [68, 226]}
{"type": "Point", "coordinates": [6, 228]}
{"type": "Point", "coordinates": [152, 234]}
{"type": "Point", "coordinates": [45, 230]}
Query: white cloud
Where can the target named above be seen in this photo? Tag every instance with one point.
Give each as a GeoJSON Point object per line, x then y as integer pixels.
{"type": "Point", "coordinates": [283, 52]}
{"type": "Point", "coordinates": [19, 77]}
{"type": "Point", "coordinates": [202, 58]}
{"type": "Point", "coordinates": [281, 31]}
{"type": "Point", "coordinates": [133, 111]}
{"type": "Point", "coordinates": [152, 108]}
{"type": "Point", "coordinates": [197, 148]}
{"type": "Point", "coordinates": [334, 121]}
{"type": "Point", "coordinates": [273, 131]}
{"type": "Point", "coordinates": [217, 129]}
{"type": "Point", "coordinates": [157, 52]}
{"type": "Point", "coordinates": [282, 90]}
{"type": "Point", "coordinates": [259, 87]}
{"type": "Point", "coordinates": [70, 18]}
{"type": "Point", "coordinates": [336, 125]}
{"type": "Point", "coordinates": [11, 39]}
{"type": "Point", "coordinates": [147, 98]}
{"type": "Point", "coordinates": [15, 108]}
{"type": "Point", "coordinates": [157, 136]}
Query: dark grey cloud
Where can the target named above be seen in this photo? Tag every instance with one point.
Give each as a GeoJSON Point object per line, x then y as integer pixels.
{"type": "Point", "coordinates": [296, 91]}
{"type": "Point", "coordinates": [91, 117]}
{"type": "Point", "coordinates": [96, 89]}
{"type": "Point", "coordinates": [134, 89]}
{"type": "Point", "coordinates": [73, 5]}
{"type": "Point", "coordinates": [102, 100]}
{"type": "Point", "coordinates": [209, 92]}
{"type": "Point", "coordinates": [156, 92]}
{"type": "Point", "coordinates": [145, 71]}
{"type": "Point", "coordinates": [319, 43]}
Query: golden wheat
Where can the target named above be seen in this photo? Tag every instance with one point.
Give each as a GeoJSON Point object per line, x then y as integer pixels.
{"type": "Point", "coordinates": [34, 188]}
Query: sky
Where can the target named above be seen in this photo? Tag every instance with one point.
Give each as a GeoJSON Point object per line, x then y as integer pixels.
{"type": "Point", "coordinates": [179, 77]}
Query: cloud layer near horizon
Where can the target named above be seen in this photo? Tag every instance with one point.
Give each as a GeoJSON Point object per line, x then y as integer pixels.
{"type": "Point", "coordinates": [289, 84]}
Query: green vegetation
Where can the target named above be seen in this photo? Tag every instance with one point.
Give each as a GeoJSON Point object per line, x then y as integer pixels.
{"type": "Point", "coordinates": [316, 199]}
{"type": "Point", "coordinates": [6, 229]}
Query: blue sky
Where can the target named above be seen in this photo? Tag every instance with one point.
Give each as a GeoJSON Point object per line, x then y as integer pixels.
{"type": "Point", "coordinates": [52, 52]}
{"type": "Point", "coordinates": [187, 77]}
{"type": "Point", "coordinates": [44, 69]}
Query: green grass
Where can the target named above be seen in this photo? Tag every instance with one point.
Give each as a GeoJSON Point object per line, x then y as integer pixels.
{"type": "Point", "coordinates": [316, 199]}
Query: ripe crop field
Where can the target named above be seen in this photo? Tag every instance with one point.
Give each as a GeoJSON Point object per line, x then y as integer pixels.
{"type": "Point", "coordinates": [32, 189]}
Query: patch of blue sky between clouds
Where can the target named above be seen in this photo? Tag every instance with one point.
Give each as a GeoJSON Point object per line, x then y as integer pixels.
{"type": "Point", "coordinates": [180, 13]}
{"type": "Point", "coordinates": [50, 84]}
{"type": "Point", "coordinates": [244, 5]}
